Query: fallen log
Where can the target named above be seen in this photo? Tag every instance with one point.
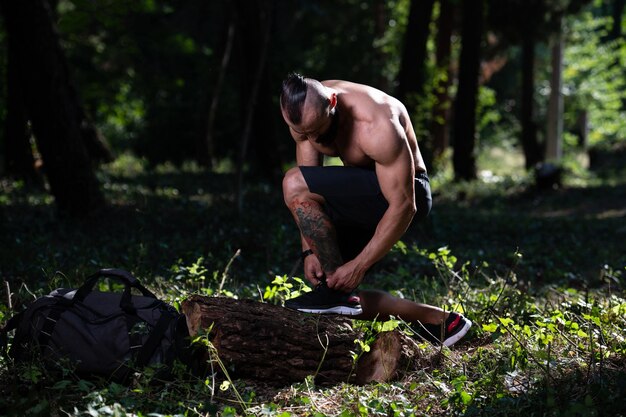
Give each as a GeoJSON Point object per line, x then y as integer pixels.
{"type": "Point", "coordinates": [278, 346]}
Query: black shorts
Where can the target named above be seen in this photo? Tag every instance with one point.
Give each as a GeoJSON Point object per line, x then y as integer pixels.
{"type": "Point", "coordinates": [355, 203]}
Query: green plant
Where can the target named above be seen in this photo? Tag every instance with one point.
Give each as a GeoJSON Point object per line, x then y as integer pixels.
{"type": "Point", "coordinates": [548, 327]}
{"type": "Point", "coordinates": [283, 289]}
{"type": "Point", "coordinates": [197, 276]}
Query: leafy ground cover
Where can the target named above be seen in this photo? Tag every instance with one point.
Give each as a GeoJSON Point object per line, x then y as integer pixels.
{"type": "Point", "coordinates": [541, 274]}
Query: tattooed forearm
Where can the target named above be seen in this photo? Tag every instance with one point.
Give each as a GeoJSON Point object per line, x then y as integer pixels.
{"type": "Point", "coordinates": [319, 233]}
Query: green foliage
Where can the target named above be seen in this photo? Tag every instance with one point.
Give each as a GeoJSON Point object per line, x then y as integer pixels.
{"type": "Point", "coordinates": [548, 336]}
{"type": "Point", "coordinates": [283, 289]}
{"type": "Point", "coordinates": [488, 116]}
{"type": "Point", "coordinates": [123, 118]}
{"type": "Point", "coordinates": [389, 43]}
{"type": "Point", "coordinates": [594, 78]}
{"type": "Point", "coordinates": [548, 326]}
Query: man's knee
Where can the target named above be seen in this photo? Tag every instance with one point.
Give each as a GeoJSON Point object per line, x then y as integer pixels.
{"type": "Point", "coordinates": [293, 184]}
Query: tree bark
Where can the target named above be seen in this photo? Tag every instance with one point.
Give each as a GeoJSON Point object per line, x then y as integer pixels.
{"type": "Point", "coordinates": [530, 145]}
{"type": "Point", "coordinates": [582, 123]}
{"type": "Point", "coordinates": [617, 11]}
{"type": "Point", "coordinates": [19, 159]}
{"type": "Point", "coordinates": [464, 160]}
{"type": "Point", "coordinates": [96, 144]}
{"type": "Point", "coordinates": [412, 65]}
{"type": "Point", "coordinates": [441, 110]}
{"type": "Point", "coordinates": [252, 105]}
{"type": "Point", "coordinates": [207, 157]}
{"type": "Point", "coordinates": [554, 137]}
{"type": "Point", "coordinates": [50, 106]}
{"type": "Point", "coordinates": [278, 346]}
{"type": "Point", "coordinates": [257, 26]}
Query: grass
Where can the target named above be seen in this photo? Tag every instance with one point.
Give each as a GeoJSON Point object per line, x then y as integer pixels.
{"type": "Point", "coordinates": [541, 274]}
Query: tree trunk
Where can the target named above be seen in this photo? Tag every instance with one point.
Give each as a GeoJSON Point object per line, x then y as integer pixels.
{"type": "Point", "coordinates": [554, 138]}
{"type": "Point", "coordinates": [441, 110]}
{"type": "Point", "coordinates": [617, 12]}
{"type": "Point", "coordinates": [265, 157]}
{"type": "Point", "coordinates": [278, 346]}
{"type": "Point", "coordinates": [50, 106]}
{"type": "Point", "coordinates": [207, 157]}
{"type": "Point", "coordinates": [464, 160]}
{"type": "Point", "coordinates": [582, 123]}
{"type": "Point", "coordinates": [530, 145]}
{"type": "Point", "coordinates": [252, 105]}
{"type": "Point", "coordinates": [96, 145]}
{"type": "Point", "coordinates": [263, 154]}
{"type": "Point", "coordinates": [19, 160]}
{"type": "Point", "coordinates": [412, 65]}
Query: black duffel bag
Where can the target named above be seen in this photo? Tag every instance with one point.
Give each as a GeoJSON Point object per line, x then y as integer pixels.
{"type": "Point", "coordinates": [101, 334]}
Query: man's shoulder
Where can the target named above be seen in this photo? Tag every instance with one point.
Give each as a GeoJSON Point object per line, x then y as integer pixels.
{"type": "Point", "coordinates": [343, 86]}
{"type": "Point", "coordinates": [336, 83]}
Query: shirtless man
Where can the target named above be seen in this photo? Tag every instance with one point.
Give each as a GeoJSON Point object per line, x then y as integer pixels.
{"type": "Point", "coordinates": [351, 216]}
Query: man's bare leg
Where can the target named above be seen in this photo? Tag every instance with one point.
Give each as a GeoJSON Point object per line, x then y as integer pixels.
{"type": "Point", "coordinates": [315, 225]}
{"type": "Point", "coordinates": [380, 305]}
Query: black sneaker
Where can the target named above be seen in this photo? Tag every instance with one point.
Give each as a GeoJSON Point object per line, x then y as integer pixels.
{"type": "Point", "coordinates": [324, 300]}
{"type": "Point", "coordinates": [455, 328]}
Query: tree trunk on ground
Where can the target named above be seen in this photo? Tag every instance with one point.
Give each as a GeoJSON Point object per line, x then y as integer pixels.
{"type": "Point", "coordinates": [278, 346]}
{"type": "Point", "coordinates": [441, 110]}
{"type": "Point", "coordinates": [412, 65]}
{"type": "Point", "coordinates": [50, 106]}
{"type": "Point", "coordinates": [530, 145]}
{"type": "Point", "coordinates": [464, 160]}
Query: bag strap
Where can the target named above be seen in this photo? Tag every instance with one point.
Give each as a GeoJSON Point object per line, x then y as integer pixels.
{"type": "Point", "coordinates": [124, 277]}
{"type": "Point", "coordinates": [154, 340]}
{"type": "Point", "coordinates": [49, 324]}
{"type": "Point", "coordinates": [145, 351]}
{"type": "Point", "coordinates": [10, 325]}
{"type": "Point", "coordinates": [124, 371]}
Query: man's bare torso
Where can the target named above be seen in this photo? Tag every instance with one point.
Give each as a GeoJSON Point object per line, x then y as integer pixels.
{"type": "Point", "coordinates": [364, 113]}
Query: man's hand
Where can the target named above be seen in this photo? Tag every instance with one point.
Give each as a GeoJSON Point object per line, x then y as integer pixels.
{"type": "Point", "coordinates": [346, 278]}
{"type": "Point", "coordinates": [313, 269]}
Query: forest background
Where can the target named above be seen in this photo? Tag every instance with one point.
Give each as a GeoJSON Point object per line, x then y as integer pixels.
{"type": "Point", "coordinates": [146, 135]}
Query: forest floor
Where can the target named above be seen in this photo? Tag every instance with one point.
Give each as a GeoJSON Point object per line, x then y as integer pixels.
{"type": "Point", "coordinates": [557, 257]}
{"type": "Point", "coordinates": [157, 219]}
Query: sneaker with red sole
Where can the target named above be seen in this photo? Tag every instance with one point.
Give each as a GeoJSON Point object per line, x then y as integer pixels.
{"type": "Point", "coordinates": [453, 330]}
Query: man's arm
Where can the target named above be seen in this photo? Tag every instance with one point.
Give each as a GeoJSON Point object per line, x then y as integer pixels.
{"type": "Point", "coordinates": [306, 154]}
{"type": "Point", "coordinates": [395, 170]}
{"type": "Point", "coordinates": [396, 177]}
